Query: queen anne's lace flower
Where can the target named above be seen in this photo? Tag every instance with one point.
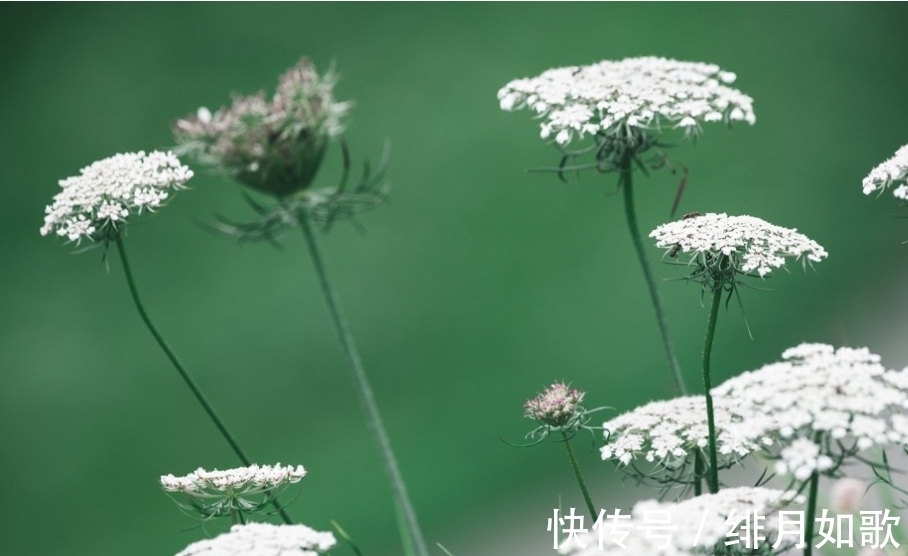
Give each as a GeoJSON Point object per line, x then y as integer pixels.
{"type": "Point", "coordinates": [894, 170]}
{"type": "Point", "coordinates": [820, 400]}
{"type": "Point", "coordinates": [555, 406]}
{"type": "Point", "coordinates": [274, 146]}
{"type": "Point", "coordinates": [752, 244]}
{"type": "Point", "coordinates": [669, 432]}
{"type": "Point", "coordinates": [642, 93]}
{"type": "Point", "coordinates": [264, 539]}
{"type": "Point", "coordinates": [814, 408]}
{"type": "Point", "coordinates": [96, 203]}
{"type": "Point", "coordinates": [242, 479]}
{"type": "Point", "coordinates": [697, 524]}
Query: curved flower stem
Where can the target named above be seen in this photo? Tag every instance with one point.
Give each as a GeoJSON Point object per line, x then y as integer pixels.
{"type": "Point", "coordinates": [626, 183]}
{"type": "Point", "coordinates": [190, 382]}
{"type": "Point", "coordinates": [366, 398]}
{"type": "Point", "coordinates": [576, 467]}
{"type": "Point", "coordinates": [811, 513]}
{"type": "Point", "coordinates": [712, 478]}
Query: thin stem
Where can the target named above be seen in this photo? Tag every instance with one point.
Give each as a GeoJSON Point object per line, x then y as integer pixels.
{"type": "Point", "coordinates": [712, 478]}
{"type": "Point", "coordinates": [811, 513]}
{"type": "Point", "coordinates": [127, 270]}
{"type": "Point", "coordinates": [364, 392]}
{"type": "Point", "coordinates": [630, 213]}
{"type": "Point", "coordinates": [576, 467]}
{"type": "Point", "coordinates": [698, 473]}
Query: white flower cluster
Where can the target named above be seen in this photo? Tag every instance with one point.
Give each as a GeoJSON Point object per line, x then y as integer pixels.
{"type": "Point", "coordinates": [752, 243]}
{"type": "Point", "coordinates": [837, 394]}
{"type": "Point", "coordinates": [241, 480]}
{"type": "Point", "coordinates": [668, 432]}
{"type": "Point", "coordinates": [697, 524]}
{"type": "Point", "coordinates": [554, 406]}
{"type": "Point", "coordinates": [840, 395]}
{"type": "Point", "coordinates": [644, 93]}
{"type": "Point", "coordinates": [264, 539]}
{"type": "Point", "coordinates": [107, 192]}
{"type": "Point", "coordinates": [893, 170]}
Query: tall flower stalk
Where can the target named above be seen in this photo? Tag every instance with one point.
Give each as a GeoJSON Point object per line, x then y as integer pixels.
{"type": "Point", "coordinates": [722, 251]}
{"type": "Point", "coordinates": [276, 147]}
{"type": "Point", "coordinates": [626, 107]}
{"type": "Point", "coordinates": [95, 207]}
{"type": "Point", "coordinates": [364, 393]}
{"type": "Point", "coordinates": [627, 189]}
{"type": "Point", "coordinates": [713, 476]}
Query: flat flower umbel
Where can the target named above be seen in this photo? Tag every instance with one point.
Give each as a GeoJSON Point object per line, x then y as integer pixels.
{"type": "Point", "coordinates": [634, 97]}
{"type": "Point", "coordinates": [659, 442]}
{"type": "Point", "coordinates": [891, 172]}
{"type": "Point", "coordinates": [721, 248]}
{"type": "Point", "coordinates": [823, 406]}
{"type": "Point", "coordinates": [264, 539]}
{"type": "Point", "coordinates": [96, 204]}
{"type": "Point", "coordinates": [232, 492]}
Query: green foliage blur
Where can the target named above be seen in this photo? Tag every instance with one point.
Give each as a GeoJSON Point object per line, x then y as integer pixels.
{"type": "Point", "coordinates": [474, 287]}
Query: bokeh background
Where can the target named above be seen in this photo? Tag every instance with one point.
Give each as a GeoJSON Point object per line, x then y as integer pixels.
{"type": "Point", "coordinates": [475, 286]}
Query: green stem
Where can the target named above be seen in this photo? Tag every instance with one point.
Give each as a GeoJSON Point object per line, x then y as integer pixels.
{"type": "Point", "coordinates": [629, 211]}
{"type": "Point", "coordinates": [698, 472]}
{"type": "Point", "coordinates": [364, 392]}
{"type": "Point", "coordinates": [576, 467]}
{"type": "Point", "coordinates": [127, 270]}
{"type": "Point", "coordinates": [712, 478]}
{"type": "Point", "coordinates": [888, 500]}
{"type": "Point", "coordinates": [811, 513]}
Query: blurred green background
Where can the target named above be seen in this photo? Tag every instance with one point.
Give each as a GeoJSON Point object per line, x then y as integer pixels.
{"type": "Point", "coordinates": [475, 286]}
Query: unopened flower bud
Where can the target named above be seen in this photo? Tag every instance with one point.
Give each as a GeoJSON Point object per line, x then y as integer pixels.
{"type": "Point", "coordinates": [275, 146]}
{"type": "Point", "coordinates": [555, 406]}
